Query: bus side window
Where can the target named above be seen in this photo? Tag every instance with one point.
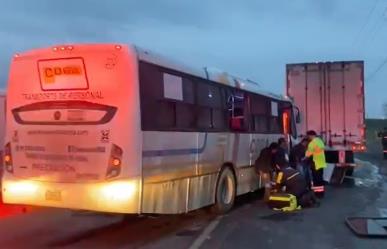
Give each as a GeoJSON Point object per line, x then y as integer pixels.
{"type": "Point", "coordinates": [259, 114]}
{"type": "Point", "coordinates": [237, 109]}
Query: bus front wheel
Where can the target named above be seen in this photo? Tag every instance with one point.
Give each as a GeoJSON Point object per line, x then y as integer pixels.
{"type": "Point", "coordinates": [225, 191]}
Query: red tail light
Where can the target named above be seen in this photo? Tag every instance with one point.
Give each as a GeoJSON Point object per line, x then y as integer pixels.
{"type": "Point", "coordinates": [8, 158]}
{"type": "Point", "coordinates": [114, 167]}
{"type": "Point", "coordinates": [359, 147]}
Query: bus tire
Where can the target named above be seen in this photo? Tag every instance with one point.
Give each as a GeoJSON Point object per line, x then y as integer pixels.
{"type": "Point", "coordinates": [225, 191]}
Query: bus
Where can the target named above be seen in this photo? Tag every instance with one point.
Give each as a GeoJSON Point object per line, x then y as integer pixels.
{"type": "Point", "coordinates": [115, 128]}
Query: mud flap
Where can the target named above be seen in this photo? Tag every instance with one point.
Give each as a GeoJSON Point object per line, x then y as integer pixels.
{"type": "Point", "coordinates": [368, 226]}
{"type": "Point", "coordinates": [334, 174]}
{"type": "Point", "coordinates": [328, 172]}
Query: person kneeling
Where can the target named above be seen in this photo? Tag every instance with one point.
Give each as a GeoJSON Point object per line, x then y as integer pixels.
{"type": "Point", "coordinates": [291, 181]}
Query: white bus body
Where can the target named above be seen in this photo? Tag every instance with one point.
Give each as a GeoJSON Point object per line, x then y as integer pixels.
{"type": "Point", "coordinates": [113, 128]}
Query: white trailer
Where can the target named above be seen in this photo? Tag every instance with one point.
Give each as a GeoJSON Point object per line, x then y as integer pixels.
{"type": "Point", "coordinates": [330, 97]}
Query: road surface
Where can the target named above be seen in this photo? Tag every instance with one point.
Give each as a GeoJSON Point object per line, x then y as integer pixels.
{"type": "Point", "coordinates": [249, 225]}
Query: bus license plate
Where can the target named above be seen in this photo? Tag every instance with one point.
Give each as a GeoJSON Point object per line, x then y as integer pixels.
{"type": "Point", "coordinates": [53, 195]}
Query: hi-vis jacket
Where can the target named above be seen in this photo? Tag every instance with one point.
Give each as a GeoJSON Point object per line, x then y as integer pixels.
{"type": "Point", "coordinates": [316, 149]}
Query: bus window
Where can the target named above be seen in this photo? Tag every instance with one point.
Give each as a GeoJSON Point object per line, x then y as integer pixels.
{"type": "Point", "coordinates": [236, 107]}
{"type": "Point", "coordinates": [259, 114]}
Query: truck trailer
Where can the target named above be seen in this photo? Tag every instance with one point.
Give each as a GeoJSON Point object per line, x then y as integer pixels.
{"type": "Point", "coordinates": [330, 98]}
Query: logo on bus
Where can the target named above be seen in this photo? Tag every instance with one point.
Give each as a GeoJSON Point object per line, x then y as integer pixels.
{"type": "Point", "coordinates": [50, 73]}
{"type": "Point", "coordinates": [105, 134]}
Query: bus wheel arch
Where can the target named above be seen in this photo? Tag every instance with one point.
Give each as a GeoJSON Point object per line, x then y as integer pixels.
{"type": "Point", "coordinates": [225, 189]}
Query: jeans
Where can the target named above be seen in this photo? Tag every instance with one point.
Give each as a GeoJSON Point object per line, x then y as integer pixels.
{"type": "Point", "coordinates": [304, 169]}
{"type": "Point", "coordinates": [266, 179]}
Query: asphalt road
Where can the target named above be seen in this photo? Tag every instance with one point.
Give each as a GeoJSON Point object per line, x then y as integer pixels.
{"type": "Point", "coordinates": [249, 225]}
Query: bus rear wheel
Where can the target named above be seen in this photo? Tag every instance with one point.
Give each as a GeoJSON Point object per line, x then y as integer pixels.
{"type": "Point", "coordinates": [225, 192]}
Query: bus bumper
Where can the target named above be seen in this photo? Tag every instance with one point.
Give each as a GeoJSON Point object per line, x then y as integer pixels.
{"type": "Point", "coordinates": [120, 196]}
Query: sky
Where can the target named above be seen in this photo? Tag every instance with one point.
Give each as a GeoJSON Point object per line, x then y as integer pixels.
{"type": "Point", "coordinates": [252, 39]}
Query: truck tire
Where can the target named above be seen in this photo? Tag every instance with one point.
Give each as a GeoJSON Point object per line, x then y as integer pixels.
{"type": "Point", "coordinates": [349, 171]}
{"type": "Point", "coordinates": [225, 192]}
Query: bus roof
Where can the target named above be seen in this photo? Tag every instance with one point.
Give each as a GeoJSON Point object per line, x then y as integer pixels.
{"type": "Point", "coordinates": [214, 75]}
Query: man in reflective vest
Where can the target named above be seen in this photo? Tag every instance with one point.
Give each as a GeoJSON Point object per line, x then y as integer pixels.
{"type": "Point", "coordinates": [316, 150]}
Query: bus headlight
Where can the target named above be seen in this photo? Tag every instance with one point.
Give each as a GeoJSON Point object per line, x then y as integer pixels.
{"type": "Point", "coordinates": [118, 191]}
{"type": "Point", "coordinates": [20, 188]}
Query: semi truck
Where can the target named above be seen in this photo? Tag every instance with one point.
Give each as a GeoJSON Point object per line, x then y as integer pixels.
{"type": "Point", "coordinates": [330, 98]}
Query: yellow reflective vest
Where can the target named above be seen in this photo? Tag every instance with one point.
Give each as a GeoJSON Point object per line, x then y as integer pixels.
{"type": "Point", "coordinates": [316, 149]}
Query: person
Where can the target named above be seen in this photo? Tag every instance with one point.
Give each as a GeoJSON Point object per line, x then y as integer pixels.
{"type": "Point", "coordinates": [295, 184]}
{"type": "Point", "coordinates": [264, 167]}
{"type": "Point", "coordinates": [283, 148]}
{"type": "Point", "coordinates": [383, 136]}
{"type": "Point", "coordinates": [297, 153]}
{"type": "Point", "coordinates": [316, 151]}
{"type": "Point", "coordinates": [296, 156]}
{"type": "Point", "coordinates": [281, 157]}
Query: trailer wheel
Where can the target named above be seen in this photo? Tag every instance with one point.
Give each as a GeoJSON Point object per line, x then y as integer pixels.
{"type": "Point", "coordinates": [349, 171]}
{"type": "Point", "coordinates": [225, 191]}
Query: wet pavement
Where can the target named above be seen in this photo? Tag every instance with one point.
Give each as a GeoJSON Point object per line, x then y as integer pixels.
{"type": "Point", "coordinates": [249, 225]}
{"type": "Point", "coordinates": [256, 227]}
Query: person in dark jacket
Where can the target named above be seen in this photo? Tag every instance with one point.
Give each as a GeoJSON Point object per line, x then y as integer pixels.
{"type": "Point", "coordinates": [264, 167]}
{"type": "Point", "coordinates": [294, 183]}
{"type": "Point", "coordinates": [297, 153]}
{"type": "Point", "coordinates": [297, 160]}
{"type": "Point", "coordinates": [283, 150]}
{"type": "Point", "coordinates": [383, 136]}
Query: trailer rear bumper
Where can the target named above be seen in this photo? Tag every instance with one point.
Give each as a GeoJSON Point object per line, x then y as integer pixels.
{"type": "Point", "coordinates": [345, 165]}
{"type": "Point", "coordinates": [340, 157]}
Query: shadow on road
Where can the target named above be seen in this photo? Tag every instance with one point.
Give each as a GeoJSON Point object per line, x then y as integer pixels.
{"type": "Point", "coordinates": [137, 231]}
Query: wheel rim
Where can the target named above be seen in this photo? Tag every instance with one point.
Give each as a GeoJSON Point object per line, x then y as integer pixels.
{"type": "Point", "coordinates": [227, 190]}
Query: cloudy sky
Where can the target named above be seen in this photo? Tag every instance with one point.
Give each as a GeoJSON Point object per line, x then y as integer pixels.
{"type": "Point", "coordinates": [249, 38]}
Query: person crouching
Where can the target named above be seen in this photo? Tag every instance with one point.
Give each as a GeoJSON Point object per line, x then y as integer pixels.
{"type": "Point", "coordinates": [291, 181]}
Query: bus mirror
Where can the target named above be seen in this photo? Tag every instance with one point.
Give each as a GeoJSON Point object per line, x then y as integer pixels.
{"type": "Point", "coordinates": [297, 115]}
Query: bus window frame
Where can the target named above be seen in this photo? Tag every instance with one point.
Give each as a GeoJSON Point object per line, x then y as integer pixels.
{"type": "Point", "coordinates": [148, 76]}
